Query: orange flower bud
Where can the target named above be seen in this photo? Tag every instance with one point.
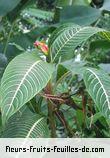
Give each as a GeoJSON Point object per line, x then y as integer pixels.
{"type": "Point", "coordinates": [42, 46]}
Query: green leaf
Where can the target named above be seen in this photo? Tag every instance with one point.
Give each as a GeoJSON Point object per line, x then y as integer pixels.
{"type": "Point", "coordinates": [106, 5]}
{"type": "Point", "coordinates": [69, 114]}
{"type": "Point", "coordinates": [74, 67]}
{"type": "Point", "coordinates": [26, 125]}
{"type": "Point", "coordinates": [15, 13]}
{"type": "Point", "coordinates": [64, 45]}
{"type": "Point", "coordinates": [74, 2]}
{"type": "Point", "coordinates": [18, 47]}
{"type": "Point", "coordinates": [7, 6]}
{"type": "Point", "coordinates": [98, 86]}
{"type": "Point", "coordinates": [63, 2]}
{"type": "Point", "coordinates": [99, 44]}
{"type": "Point", "coordinates": [3, 60]}
{"type": "Point", "coordinates": [80, 118]}
{"type": "Point", "coordinates": [3, 63]}
{"type": "Point", "coordinates": [105, 67]}
{"type": "Point", "coordinates": [78, 14]}
{"type": "Point", "coordinates": [60, 30]}
{"type": "Point", "coordinates": [38, 13]}
{"type": "Point", "coordinates": [61, 70]}
{"type": "Point", "coordinates": [82, 2]}
{"type": "Point", "coordinates": [25, 76]}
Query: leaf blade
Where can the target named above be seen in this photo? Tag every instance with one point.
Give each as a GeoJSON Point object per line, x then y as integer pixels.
{"type": "Point", "coordinates": [7, 7]}
{"type": "Point", "coordinates": [64, 45]}
{"type": "Point", "coordinates": [25, 76]}
{"type": "Point", "coordinates": [26, 125]}
{"type": "Point", "coordinates": [97, 84]}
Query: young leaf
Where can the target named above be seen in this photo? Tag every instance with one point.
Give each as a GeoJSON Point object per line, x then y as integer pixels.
{"type": "Point", "coordinates": [98, 86]}
{"type": "Point", "coordinates": [25, 76]}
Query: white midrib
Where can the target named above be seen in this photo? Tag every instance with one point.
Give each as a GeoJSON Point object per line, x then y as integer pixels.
{"type": "Point", "coordinates": [101, 86]}
{"type": "Point", "coordinates": [65, 44]}
{"type": "Point", "coordinates": [70, 39]}
{"type": "Point", "coordinates": [21, 84]}
{"type": "Point", "coordinates": [29, 133]}
{"type": "Point", "coordinates": [32, 128]}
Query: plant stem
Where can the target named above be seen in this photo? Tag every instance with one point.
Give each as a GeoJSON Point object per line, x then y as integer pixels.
{"type": "Point", "coordinates": [52, 119]}
{"type": "Point", "coordinates": [51, 113]}
{"type": "Point", "coordinates": [8, 38]}
{"type": "Point", "coordinates": [62, 119]}
{"type": "Point", "coordinates": [84, 103]}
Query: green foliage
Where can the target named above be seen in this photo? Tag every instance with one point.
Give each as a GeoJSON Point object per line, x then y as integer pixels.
{"type": "Point", "coordinates": [79, 14]}
{"type": "Point", "coordinates": [97, 83]}
{"type": "Point", "coordinates": [59, 86]}
{"type": "Point", "coordinates": [45, 15]}
{"type": "Point", "coordinates": [7, 7]}
{"type": "Point", "coordinates": [71, 66]}
{"type": "Point", "coordinates": [26, 125]}
{"type": "Point", "coordinates": [75, 2]}
{"type": "Point", "coordinates": [73, 36]}
{"type": "Point", "coordinates": [106, 5]}
{"type": "Point", "coordinates": [24, 77]}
